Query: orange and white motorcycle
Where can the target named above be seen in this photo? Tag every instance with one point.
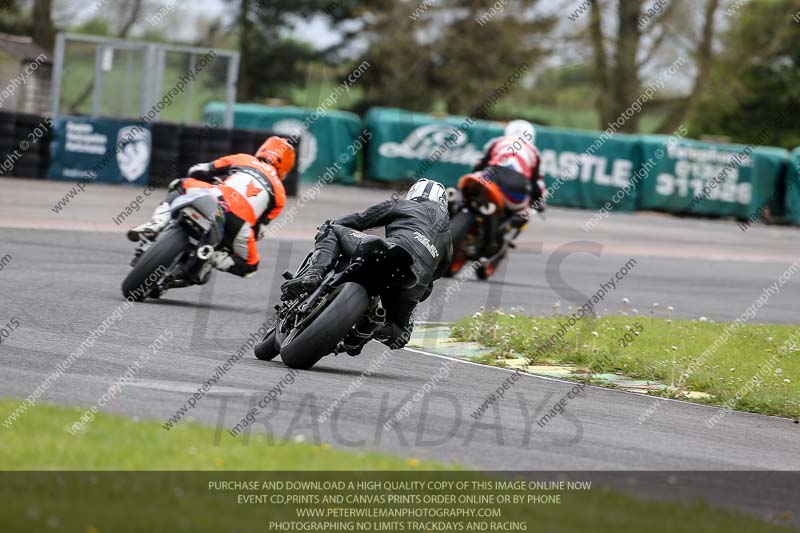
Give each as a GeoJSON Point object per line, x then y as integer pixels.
{"type": "Point", "coordinates": [479, 228]}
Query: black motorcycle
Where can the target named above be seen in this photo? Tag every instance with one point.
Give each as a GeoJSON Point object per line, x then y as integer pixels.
{"type": "Point", "coordinates": [178, 257]}
{"type": "Point", "coordinates": [344, 312]}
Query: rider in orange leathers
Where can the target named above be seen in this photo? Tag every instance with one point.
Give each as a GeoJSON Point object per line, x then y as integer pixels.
{"type": "Point", "coordinates": [250, 190]}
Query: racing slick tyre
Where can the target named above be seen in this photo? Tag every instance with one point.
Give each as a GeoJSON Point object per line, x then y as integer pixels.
{"type": "Point", "coordinates": [459, 227]}
{"type": "Point", "coordinates": [140, 281]}
{"type": "Point", "coordinates": [326, 327]}
{"type": "Point", "coordinates": [268, 348]}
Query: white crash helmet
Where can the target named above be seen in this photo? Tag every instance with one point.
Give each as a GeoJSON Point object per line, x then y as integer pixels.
{"type": "Point", "coordinates": [521, 129]}
{"type": "Point", "coordinates": [428, 190]}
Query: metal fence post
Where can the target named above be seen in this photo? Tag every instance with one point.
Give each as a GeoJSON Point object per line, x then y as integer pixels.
{"type": "Point", "coordinates": [97, 92]}
{"type": "Point", "coordinates": [58, 70]}
{"type": "Point", "coordinates": [230, 89]}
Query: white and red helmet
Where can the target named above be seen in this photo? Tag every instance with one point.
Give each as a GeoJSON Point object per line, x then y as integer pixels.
{"type": "Point", "coordinates": [521, 129]}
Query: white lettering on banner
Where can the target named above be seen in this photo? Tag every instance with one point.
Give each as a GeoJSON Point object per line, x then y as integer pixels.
{"type": "Point", "coordinates": [438, 142]}
{"type": "Point", "coordinates": [706, 173]}
{"type": "Point", "coordinates": [82, 138]}
{"type": "Point", "coordinates": [596, 169]}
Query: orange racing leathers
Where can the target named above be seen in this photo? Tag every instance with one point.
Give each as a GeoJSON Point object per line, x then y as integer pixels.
{"type": "Point", "coordinates": [252, 195]}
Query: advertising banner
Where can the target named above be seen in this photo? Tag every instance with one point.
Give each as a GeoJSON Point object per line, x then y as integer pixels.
{"type": "Point", "coordinates": [326, 138]}
{"type": "Point", "coordinates": [792, 192]}
{"type": "Point", "coordinates": [407, 146]}
{"type": "Point", "coordinates": [587, 170]}
{"type": "Point", "coordinates": [108, 151]}
{"type": "Point", "coordinates": [710, 179]}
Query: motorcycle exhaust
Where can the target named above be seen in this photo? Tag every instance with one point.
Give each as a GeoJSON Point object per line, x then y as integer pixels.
{"type": "Point", "coordinates": [368, 325]}
{"type": "Point", "coordinates": [205, 251]}
{"type": "Point", "coordinates": [452, 194]}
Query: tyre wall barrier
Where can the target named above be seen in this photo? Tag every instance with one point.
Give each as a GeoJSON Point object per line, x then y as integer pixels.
{"type": "Point", "coordinates": [24, 145]}
{"type": "Point", "coordinates": [97, 145]}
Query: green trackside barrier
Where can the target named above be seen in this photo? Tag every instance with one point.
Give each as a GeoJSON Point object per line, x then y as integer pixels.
{"type": "Point", "coordinates": [329, 141]}
{"type": "Point", "coordinates": [407, 146]}
{"type": "Point", "coordinates": [792, 191]}
{"type": "Point", "coordinates": [583, 169]}
{"type": "Point", "coordinates": [694, 177]}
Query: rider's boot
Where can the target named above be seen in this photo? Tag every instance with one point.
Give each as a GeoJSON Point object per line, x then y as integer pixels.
{"type": "Point", "coordinates": [321, 261]}
{"type": "Point", "coordinates": [150, 230]}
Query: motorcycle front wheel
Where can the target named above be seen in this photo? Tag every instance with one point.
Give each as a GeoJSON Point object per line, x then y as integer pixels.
{"type": "Point", "coordinates": [304, 349]}
{"type": "Point", "coordinates": [459, 227]}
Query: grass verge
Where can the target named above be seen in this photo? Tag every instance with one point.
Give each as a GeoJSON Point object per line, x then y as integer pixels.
{"type": "Point", "coordinates": [90, 500]}
{"type": "Point", "coordinates": [744, 367]}
{"type": "Point", "coordinates": [38, 441]}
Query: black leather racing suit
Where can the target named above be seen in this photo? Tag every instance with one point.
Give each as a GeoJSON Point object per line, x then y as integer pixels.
{"type": "Point", "coordinates": [422, 228]}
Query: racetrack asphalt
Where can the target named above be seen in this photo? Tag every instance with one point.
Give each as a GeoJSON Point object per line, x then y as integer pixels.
{"type": "Point", "coordinates": [64, 280]}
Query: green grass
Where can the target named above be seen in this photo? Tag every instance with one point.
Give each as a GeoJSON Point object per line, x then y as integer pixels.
{"type": "Point", "coordinates": [38, 441]}
{"type": "Point", "coordinates": [95, 502]}
{"type": "Point", "coordinates": [660, 349]}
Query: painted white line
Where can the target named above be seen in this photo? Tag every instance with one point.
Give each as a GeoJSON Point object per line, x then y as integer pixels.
{"type": "Point", "coordinates": [187, 388]}
{"type": "Point", "coordinates": [606, 389]}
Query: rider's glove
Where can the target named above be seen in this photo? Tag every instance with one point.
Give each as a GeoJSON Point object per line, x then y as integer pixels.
{"type": "Point", "coordinates": [200, 170]}
{"type": "Point", "coordinates": [174, 185]}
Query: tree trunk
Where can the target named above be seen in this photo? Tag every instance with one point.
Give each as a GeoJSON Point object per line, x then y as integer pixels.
{"type": "Point", "coordinates": [43, 30]}
{"type": "Point", "coordinates": [600, 71]}
{"type": "Point", "coordinates": [705, 57]}
{"type": "Point", "coordinates": [626, 84]}
{"type": "Point", "coordinates": [245, 31]}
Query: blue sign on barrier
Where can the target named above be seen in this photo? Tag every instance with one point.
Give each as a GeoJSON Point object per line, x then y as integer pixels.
{"type": "Point", "coordinates": [109, 151]}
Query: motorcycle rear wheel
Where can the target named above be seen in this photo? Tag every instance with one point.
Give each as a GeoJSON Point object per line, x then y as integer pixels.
{"type": "Point", "coordinates": [140, 282]}
{"type": "Point", "coordinates": [320, 337]}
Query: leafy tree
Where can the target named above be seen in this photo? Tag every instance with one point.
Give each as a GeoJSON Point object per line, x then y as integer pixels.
{"type": "Point", "coordinates": [269, 60]}
{"type": "Point", "coordinates": [14, 20]}
{"type": "Point", "coordinates": [640, 38]}
{"type": "Point", "coordinates": [755, 88]}
{"type": "Point", "coordinates": [484, 49]}
{"type": "Point", "coordinates": [401, 65]}
{"type": "Point", "coordinates": [450, 53]}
